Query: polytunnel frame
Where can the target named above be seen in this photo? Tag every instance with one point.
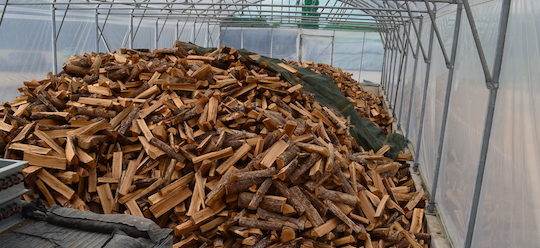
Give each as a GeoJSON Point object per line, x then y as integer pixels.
{"type": "Point", "coordinates": [388, 19]}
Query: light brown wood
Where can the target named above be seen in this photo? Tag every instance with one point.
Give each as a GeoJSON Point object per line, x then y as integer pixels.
{"type": "Point", "coordinates": [170, 202]}
{"type": "Point", "coordinates": [214, 155]}
{"type": "Point", "coordinates": [105, 198]}
{"type": "Point", "coordinates": [217, 145]}
{"type": "Point", "coordinates": [56, 184]}
{"type": "Point", "coordinates": [29, 148]}
{"type": "Point", "coordinates": [273, 152]}
{"type": "Point", "coordinates": [53, 162]}
{"type": "Point", "coordinates": [325, 228]}
{"type": "Point", "coordinates": [117, 165]}
{"type": "Point", "coordinates": [241, 152]}
{"type": "Point", "coordinates": [127, 179]}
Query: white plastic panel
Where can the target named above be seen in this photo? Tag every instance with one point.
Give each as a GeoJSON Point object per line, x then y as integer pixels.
{"type": "Point", "coordinates": [465, 124]}
{"type": "Point", "coordinates": [509, 210]}
{"type": "Point", "coordinates": [407, 86]}
{"type": "Point", "coordinates": [435, 98]}
{"type": "Point", "coordinates": [418, 85]}
{"type": "Point", "coordinates": [185, 31]}
{"type": "Point", "coordinates": [201, 33]}
{"type": "Point", "coordinates": [348, 50]}
{"type": "Point", "coordinates": [316, 48]}
{"type": "Point", "coordinates": [257, 40]}
{"type": "Point", "coordinates": [231, 37]}
{"type": "Point", "coordinates": [24, 55]}
{"type": "Point", "coordinates": [284, 44]}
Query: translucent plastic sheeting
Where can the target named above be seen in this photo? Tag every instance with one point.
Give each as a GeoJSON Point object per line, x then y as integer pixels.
{"type": "Point", "coordinates": [509, 214]}
{"type": "Point", "coordinates": [316, 48]}
{"type": "Point", "coordinates": [373, 52]}
{"type": "Point", "coordinates": [201, 34]}
{"type": "Point", "coordinates": [418, 86]}
{"type": "Point", "coordinates": [284, 44]}
{"type": "Point", "coordinates": [435, 98]}
{"type": "Point", "coordinates": [465, 124]}
{"type": "Point", "coordinates": [409, 62]}
{"type": "Point", "coordinates": [407, 87]}
{"type": "Point", "coordinates": [23, 55]}
{"type": "Point", "coordinates": [258, 41]}
{"type": "Point", "coordinates": [231, 37]}
{"type": "Point", "coordinates": [348, 47]}
{"type": "Point", "coordinates": [166, 32]}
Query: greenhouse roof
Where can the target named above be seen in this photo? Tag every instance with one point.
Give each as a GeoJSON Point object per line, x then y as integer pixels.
{"type": "Point", "coordinates": [375, 15]}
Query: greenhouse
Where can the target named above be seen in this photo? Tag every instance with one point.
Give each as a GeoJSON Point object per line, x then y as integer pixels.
{"type": "Point", "coordinates": [274, 123]}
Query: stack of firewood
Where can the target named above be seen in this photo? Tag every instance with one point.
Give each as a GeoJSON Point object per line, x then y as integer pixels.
{"type": "Point", "coordinates": [368, 105]}
{"type": "Point", "coordinates": [215, 146]}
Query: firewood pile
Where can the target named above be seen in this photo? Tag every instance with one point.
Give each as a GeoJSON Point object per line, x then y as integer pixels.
{"type": "Point", "coordinates": [214, 146]}
{"type": "Point", "coordinates": [368, 105]}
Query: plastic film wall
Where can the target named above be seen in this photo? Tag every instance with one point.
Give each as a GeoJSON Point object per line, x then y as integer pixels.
{"type": "Point", "coordinates": [360, 53]}
{"type": "Point", "coordinates": [28, 55]}
{"type": "Point", "coordinates": [509, 208]}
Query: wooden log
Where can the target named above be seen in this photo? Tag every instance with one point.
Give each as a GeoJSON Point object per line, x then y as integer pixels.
{"type": "Point", "coordinates": [56, 184]}
{"type": "Point", "coordinates": [271, 216]}
{"type": "Point", "coordinates": [167, 149]}
{"type": "Point", "coordinates": [260, 224]}
{"type": "Point", "coordinates": [267, 203]}
{"type": "Point", "coordinates": [105, 198]}
{"type": "Point", "coordinates": [287, 234]}
{"type": "Point", "coordinates": [296, 202]}
{"type": "Point", "coordinates": [170, 202]}
{"type": "Point", "coordinates": [273, 152]}
{"type": "Point", "coordinates": [53, 162]}
{"type": "Point", "coordinates": [241, 152]}
{"type": "Point", "coordinates": [261, 191]}
{"type": "Point", "coordinates": [336, 196]}
{"type": "Point", "coordinates": [214, 155]}
{"type": "Point", "coordinates": [325, 228]}
{"type": "Point", "coordinates": [343, 217]}
{"type": "Point", "coordinates": [311, 213]}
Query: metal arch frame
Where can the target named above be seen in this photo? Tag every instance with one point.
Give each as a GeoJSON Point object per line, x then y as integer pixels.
{"type": "Point", "coordinates": [389, 15]}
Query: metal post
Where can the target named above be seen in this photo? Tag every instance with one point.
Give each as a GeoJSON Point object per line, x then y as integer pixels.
{"type": "Point", "coordinates": [413, 82]}
{"type": "Point", "coordinates": [207, 34]}
{"type": "Point", "coordinates": [437, 33]}
{"type": "Point", "coordinates": [362, 57]}
{"type": "Point", "coordinates": [501, 39]}
{"type": "Point", "coordinates": [410, 48]}
{"type": "Point", "coordinates": [241, 38]}
{"type": "Point", "coordinates": [271, 42]}
{"type": "Point", "coordinates": [393, 76]}
{"type": "Point", "coordinates": [431, 206]}
{"type": "Point", "coordinates": [403, 78]}
{"type": "Point", "coordinates": [156, 33]}
{"type": "Point", "coordinates": [383, 68]}
{"type": "Point", "coordinates": [193, 33]}
{"type": "Point", "coordinates": [332, 49]}
{"type": "Point", "coordinates": [389, 64]}
{"type": "Point", "coordinates": [97, 31]}
{"type": "Point", "coordinates": [478, 43]}
{"type": "Point", "coordinates": [299, 46]}
{"type": "Point", "coordinates": [385, 62]}
{"type": "Point", "coordinates": [388, 75]}
{"type": "Point", "coordinates": [401, 65]}
{"type": "Point", "coordinates": [53, 38]}
{"type": "Point", "coordinates": [176, 31]}
{"type": "Point", "coordinates": [131, 31]}
{"type": "Point", "coordinates": [424, 96]}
